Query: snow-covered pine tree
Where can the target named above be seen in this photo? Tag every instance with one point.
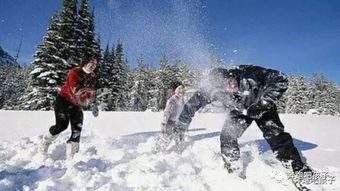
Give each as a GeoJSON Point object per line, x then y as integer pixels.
{"type": "Point", "coordinates": [338, 99]}
{"type": "Point", "coordinates": [104, 75]}
{"type": "Point", "coordinates": [68, 33]}
{"type": "Point", "coordinates": [86, 41]}
{"type": "Point", "coordinates": [141, 85]}
{"type": "Point", "coordinates": [7, 65]}
{"type": "Point", "coordinates": [120, 84]}
{"type": "Point", "coordinates": [137, 101]}
{"type": "Point", "coordinates": [163, 82]}
{"type": "Point", "coordinates": [325, 95]}
{"type": "Point", "coordinates": [95, 43]}
{"type": "Point", "coordinates": [48, 71]}
{"type": "Point", "coordinates": [298, 97]}
{"type": "Point", "coordinates": [103, 69]}
{"type": "Point", "coordinates": [153, 92]}
{"type": "Point", "coordinates": [14, 86]}
{"type": "Point", "coordinates": [85, 36]}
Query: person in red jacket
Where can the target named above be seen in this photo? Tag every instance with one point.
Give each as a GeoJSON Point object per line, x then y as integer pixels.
{"type": "Point", "coordinates": [77, 92]}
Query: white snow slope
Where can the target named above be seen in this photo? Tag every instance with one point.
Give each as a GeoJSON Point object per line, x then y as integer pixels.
{"type": "Point", "coordinates": [116, 155]}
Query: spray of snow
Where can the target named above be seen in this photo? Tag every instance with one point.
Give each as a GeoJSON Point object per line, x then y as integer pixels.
{"type": "Point", "coordinates": [153, 27]}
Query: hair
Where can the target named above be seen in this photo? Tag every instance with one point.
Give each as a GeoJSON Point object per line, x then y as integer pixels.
{"type": "Point", "coordinates": [86, 59]}
{"type": "Point", "coordinates": [175, 84]}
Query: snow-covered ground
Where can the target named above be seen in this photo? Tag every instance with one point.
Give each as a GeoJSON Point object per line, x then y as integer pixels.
{"type": "Point", "coordinates": [116, 155]}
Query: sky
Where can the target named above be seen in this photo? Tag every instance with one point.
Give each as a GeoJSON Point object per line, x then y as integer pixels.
{"type": "Point", "coordinates": [295, 36]}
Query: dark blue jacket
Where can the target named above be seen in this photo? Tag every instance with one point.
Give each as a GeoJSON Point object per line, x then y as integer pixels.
{"type": "Point", "coordinates": [257, 86]}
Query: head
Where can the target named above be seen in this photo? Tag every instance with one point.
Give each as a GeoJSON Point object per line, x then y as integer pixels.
{"type": "Point", "coordinates": [89, 63]}
{"type": "Point", "coordinates": [226, 79]}
{"type": "Point", "coordinates": [179, 91]}
{"type": "Point", "coordinates": [231, 84]}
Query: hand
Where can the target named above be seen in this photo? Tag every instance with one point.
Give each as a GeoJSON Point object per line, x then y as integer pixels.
{"type": "Point", "coordinates": [95, 110]}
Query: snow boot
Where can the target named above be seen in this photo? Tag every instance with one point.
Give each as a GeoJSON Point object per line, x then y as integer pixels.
{"type": "Point", "coordinates": [232, 165]}
{"type": "Point", "coordinates": [46, 142]}
{"type": "Point", "coordinates": [71, 149]}
{"type": "Point", "coordinates": [230, 157]}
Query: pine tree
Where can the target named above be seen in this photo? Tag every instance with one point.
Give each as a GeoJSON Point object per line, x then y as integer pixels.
{"type": "Point", "coordinates": [103, 70]}
{"type": "Point", "coordinates": [104, 97]}
{"type": "Point", "coordinates": [163, 82]}
{"type": "Point", "coordinates": [48, 71]}
{"type": "Point", "coordinates": [153, 92]}
{"type": "Point", "coordinates": [85, 36]}
{"type": "Point", "coordinates": [120, 84]}
{"type": "Point", "coordinates": [325, 95]}
{"type": "Point", "coordinates": [141, 84]}
{"type": "Point", "coordinates": [87, 44]}
{"type": "Point", "coordinates": [298, 97]}
{"type": "Point", "coordinates": [68, 33]}
{"type": "Point", "coordinates": [14, 86]}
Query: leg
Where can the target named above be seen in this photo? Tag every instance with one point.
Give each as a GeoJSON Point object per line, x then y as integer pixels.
{"type": "Point", "coordinates": [233, 128]}
{"type": "Point", "coordinates": [62, 120]}
{"type": "Point", "coordinates": [280, 142]}
{"type": "Point", "coordinates": [61, 116]}
{"type": "Point", "coordinates": [164, 139]}
{"type": "Point", "coordinates": [168, 129]}
{"type": "Point", "coordinates": [76, 118]}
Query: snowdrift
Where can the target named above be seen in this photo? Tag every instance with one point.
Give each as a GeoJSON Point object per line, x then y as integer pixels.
{"type": "Point", "coordinates": [116, 154]}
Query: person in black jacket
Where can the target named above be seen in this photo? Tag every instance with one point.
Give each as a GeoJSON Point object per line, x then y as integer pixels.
{"type": "Point", "coordinates": [248, 93]}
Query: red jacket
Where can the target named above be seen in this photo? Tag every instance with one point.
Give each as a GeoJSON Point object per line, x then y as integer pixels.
{"type": "Point", "coordinates": [79, 87]}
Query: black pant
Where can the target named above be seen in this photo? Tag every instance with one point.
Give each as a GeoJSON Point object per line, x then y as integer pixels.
{"type": "Point", "coordinates": [66, 112]}
{"type": "Point", "coordinates": [279, 141]}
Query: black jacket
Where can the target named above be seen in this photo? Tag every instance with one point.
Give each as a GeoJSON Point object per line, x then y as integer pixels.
{"type": "Point", "coordinates": [258, 86]}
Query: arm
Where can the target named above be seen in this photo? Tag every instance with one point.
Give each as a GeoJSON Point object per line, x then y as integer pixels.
{"type": "Point", "coordinates": [72, 80]}
{"type": "Point", "coordinates": [80, 93]}
{"type": "Point", "coordinates": [275, 84]}
{"type": "Point", "coordinates": [169, 109]}
{"type": "Point", "coordinates": [197, 101]}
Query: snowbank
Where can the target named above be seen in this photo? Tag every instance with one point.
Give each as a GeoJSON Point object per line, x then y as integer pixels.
{"type": "Point", "coordinates": [116, 154]}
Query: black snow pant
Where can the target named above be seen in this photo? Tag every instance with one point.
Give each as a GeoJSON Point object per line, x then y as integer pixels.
{"type": "Point", "coordinates": [65, 113]}
{"type": "Point", "coordinates": [279, 141]}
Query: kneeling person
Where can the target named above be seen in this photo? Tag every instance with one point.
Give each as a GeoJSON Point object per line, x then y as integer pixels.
{"type": "Point", "coordinates": [171, 112]}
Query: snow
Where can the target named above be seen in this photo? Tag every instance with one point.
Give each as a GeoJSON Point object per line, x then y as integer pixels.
{"type": "Point", "coordinates": [37, 70]}
{"type": "Point", "coordinates": [59, 58]}
{"type": "Point", "coordinates": [44, 74]}
{"type": "Point", "coordinates": [115, 154]}
{"type": "Point", "coordinates": [312, 111]}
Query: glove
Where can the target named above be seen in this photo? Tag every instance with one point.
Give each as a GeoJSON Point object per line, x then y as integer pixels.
{"type": "Point", "coordinates": [95, 110]}
{"type": "Point", "coordinates": [256, 110]}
